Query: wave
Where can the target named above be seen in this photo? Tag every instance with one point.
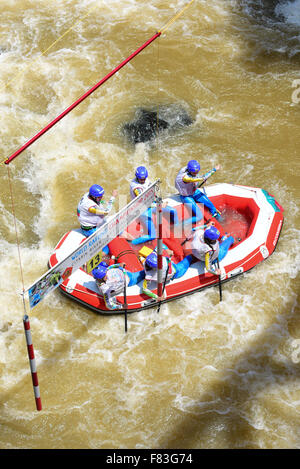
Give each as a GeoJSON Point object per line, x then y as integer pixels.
{"type": "Point", "coordinates": [290, 11]}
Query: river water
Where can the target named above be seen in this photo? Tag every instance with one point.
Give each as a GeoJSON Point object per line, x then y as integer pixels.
{"type": "Point", "coordinates": [200, 374]}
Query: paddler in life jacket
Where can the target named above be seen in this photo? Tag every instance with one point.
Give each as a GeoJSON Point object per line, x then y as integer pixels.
{"type": "Point", "coordinates": [111, 282]}
{"type": "Point", "coordinates": [151, 272]}
{"type": "Point", "coordinates": [187, 182]}
{"type": "Point", "coordinates": [111, 279]}
{"type": "Point", "coordinates": [139, 185]}
{"type": "Point", "coordinates": [91, 210]}
{"type": "Point", "coordinates": [206, 247]}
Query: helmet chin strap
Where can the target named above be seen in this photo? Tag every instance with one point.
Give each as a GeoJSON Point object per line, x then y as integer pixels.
{"type": "Point", "coordinates": [209, 243]}
{"type": "Point", "coordinates": [94, 199]}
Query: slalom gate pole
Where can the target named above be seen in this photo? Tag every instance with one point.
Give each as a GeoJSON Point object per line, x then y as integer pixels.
{"type": "Point", "coordinates": [159, 249]}
{"type": "Point", "coordinates": [32, 362]}
{"type": "Point", "coordinates": [82, 98]}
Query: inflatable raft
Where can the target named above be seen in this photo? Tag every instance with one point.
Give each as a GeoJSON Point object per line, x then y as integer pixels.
{"type": "Point", "coordinates": [251, 215]}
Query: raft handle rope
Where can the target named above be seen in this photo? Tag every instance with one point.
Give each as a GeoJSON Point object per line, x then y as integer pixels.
{"type": "Point", "coordinates": [126, 251]}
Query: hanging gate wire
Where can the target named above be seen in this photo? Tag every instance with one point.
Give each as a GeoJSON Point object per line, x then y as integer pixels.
{"type": "Point", "coordinates": [26, 322]}
{"type": "Point", "coordinates": [16, 233]}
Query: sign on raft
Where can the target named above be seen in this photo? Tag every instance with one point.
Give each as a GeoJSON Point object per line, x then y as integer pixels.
{"type": "Point", "coordinates": [91, 247]}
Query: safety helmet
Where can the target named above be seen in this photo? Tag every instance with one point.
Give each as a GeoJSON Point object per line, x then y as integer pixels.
{"type": "Point", "coordinates": [96, 191]}
{"type": "Point", "coordinates": [151, 260]}
{"type": "Point", "coordinates": [193, 166]}
{"type": "Point", "coordinates": [211, 233]}
{"type": "Point", "coordinates": [141, 172]}
{"type": "Point", "coordinates": [100, 271]}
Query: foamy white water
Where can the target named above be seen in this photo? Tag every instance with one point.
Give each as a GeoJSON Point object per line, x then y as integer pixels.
{"type": "Point", "coordinates": [290, 11]}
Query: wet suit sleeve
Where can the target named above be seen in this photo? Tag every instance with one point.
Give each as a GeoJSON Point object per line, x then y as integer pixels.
{"type": "Point", "coordinates": [192, 179]}
{"type": "Point", "coordinates": [187, 178]}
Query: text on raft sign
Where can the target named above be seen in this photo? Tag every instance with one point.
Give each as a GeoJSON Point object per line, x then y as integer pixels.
{"type": "Point", "coordinates": [91, 246]}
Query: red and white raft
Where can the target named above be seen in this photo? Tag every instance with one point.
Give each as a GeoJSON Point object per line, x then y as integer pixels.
{"type": "Point", "coordinates": [251, 215]}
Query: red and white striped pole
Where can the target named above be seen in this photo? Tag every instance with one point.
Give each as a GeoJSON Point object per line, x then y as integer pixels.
{"type": "Point", "coordinates": [82, 98]}
{"type": "Point", "coordinates": [32, 362]}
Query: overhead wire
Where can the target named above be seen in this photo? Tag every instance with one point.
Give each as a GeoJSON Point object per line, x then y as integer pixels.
{"type": "Point", "coordinates": [163, 30]}
{"type": "Point", "coordinates": [49, 48]}
{"type": "Point", "coordinates": [175, 17]}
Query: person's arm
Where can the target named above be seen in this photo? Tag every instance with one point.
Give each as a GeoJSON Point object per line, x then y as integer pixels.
{"type": "Point", "coordinates": [113, 266]}
{"type": "Point", "coordinates": [108, 297]}
{"type": "Point", "coordinates": [98, 211]}
{"type": "Point", "coordinates": [137, 191]}
{"type": "Point", "coordinates": [204, 177]}
{"type": "Point", "coordinates": [187, 178]}
{"type": "Point", "coordinates": [208, 265]}
{"type": "Point", "coordinates": [210, 173]}
{"type": "Point", "coordinates": [147, 291]}
{"type": "Point", "coordinates": [106, 207]}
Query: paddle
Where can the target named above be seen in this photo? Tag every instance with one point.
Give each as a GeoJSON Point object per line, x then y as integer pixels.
{"type": "Point", "coordinates": [125, 298]}
{"type": "Point", "coordinates": [164, 284]}
{"type": "Point", "coordinates": [200, 185]}
{"type": "Point", "coordinates": [220, 285]}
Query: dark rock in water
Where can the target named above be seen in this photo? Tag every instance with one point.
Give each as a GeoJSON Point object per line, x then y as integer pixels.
{"type": "Point", "coordinates": [148, 123]}
{"type": "Point", "coordinates": [262, 10]}
{"type": "Point", "coordinates": [145, 126]}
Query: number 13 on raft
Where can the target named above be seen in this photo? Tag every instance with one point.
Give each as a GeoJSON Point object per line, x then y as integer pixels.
{"type": "Point", "coordinates": [94, 262]}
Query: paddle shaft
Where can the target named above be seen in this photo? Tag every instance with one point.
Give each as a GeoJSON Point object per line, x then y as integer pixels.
{"type": "Point", "coordinates": [164, 284]}
{"type": "Point", "coordinates": [125, 300]}
{"type": "Point", "coordinates": [220, 284]}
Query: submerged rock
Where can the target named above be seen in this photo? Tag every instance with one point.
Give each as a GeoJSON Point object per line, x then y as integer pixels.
{"type": "Point", "coordinates": [264, 11]}
{"type": "Point", "coordinates": [148, 123]}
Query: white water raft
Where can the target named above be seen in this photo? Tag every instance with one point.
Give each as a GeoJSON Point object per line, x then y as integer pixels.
{"type": "Point", "coordinates": [251, 215]}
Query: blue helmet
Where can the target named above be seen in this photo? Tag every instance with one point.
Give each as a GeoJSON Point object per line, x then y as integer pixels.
{"type": "Point", "coordinates": [151, 260]}
{"type": "Point", "coordinates": [141, 172]}
{"type": "Point", "coordinates": [193, 166]}
{"type": "Point", "coordinates": [96, 191]}
{"type": "Point", "coordinates": [211, 233]}
{"type": "Point", "coordinates": [100, 271]}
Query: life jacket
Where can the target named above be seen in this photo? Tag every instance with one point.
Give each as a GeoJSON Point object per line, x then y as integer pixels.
{"type": "Point", "coordinates": [113, 286]}
{"type": "Point", "coordinates": [137, 185]}
{"type": "Point", "coordinates": [86, 218]}
{"type": "Point", "coordinates": [151, 274]}
{"type": "Point", "coordinates": [200, 248]}
{"type": "Point", "coordinates": [184, 188]}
